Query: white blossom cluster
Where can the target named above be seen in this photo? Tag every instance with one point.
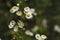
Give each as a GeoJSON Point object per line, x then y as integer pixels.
{"type": "Point", "coordinates": [40, 37]}
{"type": "Point", "coordinates": [28, 13]}
{"type": "Point", "coordinates": [15, 25]}
{"type": "Point", "coordinates": [37, 36]}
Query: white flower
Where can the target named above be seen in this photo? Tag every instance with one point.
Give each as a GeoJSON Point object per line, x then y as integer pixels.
{"type": "Point", "coordinates": [29, 16]}
{"type": "Point", "coordinates": [35, 14]}
{"type": "Point", "coordinates": [43, 37]}
{"type": "Point", "coordinates": [26, 9]}
{"type": "Point", "coordinates": [35, 29]}
{"type": "Point", "coordinates": [37, 36]}
{"type": "Point", "coordinates": [14, 9]}
{"type": "Point", "coordinates": [16, 28]}
{"type": "Point", "coordinates": [20, 24]}
{"type": "Point", "coordinates": [27, 32]}
{"type": "Point", "coordinates": [12, 24]}
{"type": "Point", "coordinates": [18, 4]}
{"type": "Point", "coordinates": [32, 10]}
{"type": "Point", "coordinates": [19, 13]}
{"type": "Point", "coordinates": [57, 28]}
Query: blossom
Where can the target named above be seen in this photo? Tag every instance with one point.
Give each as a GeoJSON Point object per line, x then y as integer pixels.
{"type": "Point", "coordinates": [40, 37]}
{"type": "Point", "coordinates": [19, 13]}
{"type": "Point", "coordinates": [26, 9]}
{"type": "Point", "coordinates": [15, 25]}
{"type": "Point", "coordinates": [18, 4]}
{"type": "Point", "coordinates": [14, 9]}
{"type": "Point", "coordinates": [43, 37]}
{"type": "Point", "coordinates": [34, 13]}
{"type": "Point", "coordinates": [35, 29]}
{"type": "Point", "coordinates": [32, 10]}
{"type": "Point", "coordinates": [16, 28]}
{"type": "Point", "coordinates": [12, 24]}
{"type": "Point", "coordinates": [37, 36]}
{"type": "Point", "coordinates": [28, 16]}
{"type": "Point", "coordinates": [57, 28]}
{"type": "Point", "coordinates": [27, 32]}
{"type": "Point", "coordinates": [20, 24]}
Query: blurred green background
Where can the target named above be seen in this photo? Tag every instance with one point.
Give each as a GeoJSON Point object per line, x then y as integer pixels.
{"type": "Point", "coordinates": [45, 9]}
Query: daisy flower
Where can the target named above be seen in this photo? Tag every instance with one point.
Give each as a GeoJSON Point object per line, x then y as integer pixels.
{"type": "Point", "coordinates": [35, 28]}
{"type": "Point", "coordinates": [27, 32]}
{"type": "Point", "coordinates": [12, 24]}
{"type": "Point", "coordinates": [26, 9]}
{"type": "Point", "coordinates": [32, 10]}
{"type": "Point", "coordinates": [29, 16]}
{"type": "Point", "coordinates": [44, 37]}
{"type": "Point", "coordinates": [20, 24]}
{"type": "Point", "coordinates": [16, 29]}
{"type": "Point", "coordinates": [37, 36]}
{"type": "Point", "coordinates": [19, 13]}
{"type": "Point", "coordinates": [14, 9]}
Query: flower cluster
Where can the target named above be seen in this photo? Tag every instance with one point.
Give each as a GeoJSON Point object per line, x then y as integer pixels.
{"type": "Point", "coordinates": [42, 37]}
{"type": "Point", "coordinates": [37, 36]}
{"type": "Point", "coordinates": [15, 25]}
{"type": "Point", "coordinates": [29, 12]}
{"type": "Point", "coordinates": [27, 32]}
{"type": "Point", "coordinates": [14, 9]}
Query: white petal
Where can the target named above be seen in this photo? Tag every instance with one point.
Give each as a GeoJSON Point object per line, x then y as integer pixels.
{"type": "Point", "coordinates": [57, 28]}
{"type": "Point", "coordinates": [26, 9]}
{"type": "Point", "coordinates": [29, 17]}
{"type": "Point", "coordinates": [37, 36]}
{"type": "Point", "coordinates": [20, 24]}
{"type": "Point", "coordinates": [35, 29]}
{"type": "Point", "coordinates": [16, 28]}
{"type": "Point", "coordinates": [27, 32]}
{"type": "Point", "coordinates": [18, 4]}
{"type": "Point", "coordinates": [35, 14]}
{"type": "Point", "coordinates": [10, 26]}
{"type": "Point", "coordinates": [31, 34]}
{"type": "Point", "coordinates": [12, 22]}
{"type": "Point", "coordinates": [19, 13]}
{"type": "Point", "coordinates": [32, 10]}
{"type": "Point", "coordinates": [43, 37]}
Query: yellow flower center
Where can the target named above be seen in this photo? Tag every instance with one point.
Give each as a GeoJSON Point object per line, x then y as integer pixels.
{"type": "Point", "coordinates": [19, 13]}
{"type": "Point", "coordinates": [28, 14]}
{"type": "Point", "coordinates": [12, 22]}
{"type": "Point", "coordinates": [27, 8]}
